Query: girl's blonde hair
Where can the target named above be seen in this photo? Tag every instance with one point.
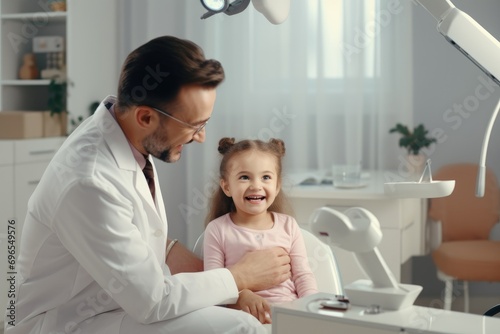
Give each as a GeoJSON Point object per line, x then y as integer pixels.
{"type": "Point", "coordinates": [220, 204]}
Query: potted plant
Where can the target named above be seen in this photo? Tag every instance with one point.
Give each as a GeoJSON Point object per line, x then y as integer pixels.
{"type": "Point", "coordinates": [414, 141]}
{"type": "Point", "coordinates": [55, 120]}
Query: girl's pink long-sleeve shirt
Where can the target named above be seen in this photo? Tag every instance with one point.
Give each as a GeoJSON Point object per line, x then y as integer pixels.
{"type": "Point", "coordinates": [225, 243]}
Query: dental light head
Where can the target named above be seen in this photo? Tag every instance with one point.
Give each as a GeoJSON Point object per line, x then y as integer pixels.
{"type": "Point", "coordinates": [275, 11]}
{"type": "Point", "coordinates": [465, 34]}
{"type": "Point", "coordinates": [358, 230]}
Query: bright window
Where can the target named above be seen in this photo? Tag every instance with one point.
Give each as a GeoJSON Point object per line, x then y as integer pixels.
{"type": "Point", "coordinates": [333, 36]}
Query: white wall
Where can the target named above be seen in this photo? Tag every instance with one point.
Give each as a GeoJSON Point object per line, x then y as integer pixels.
{"type": "Point", "coordinates": [443, 80]}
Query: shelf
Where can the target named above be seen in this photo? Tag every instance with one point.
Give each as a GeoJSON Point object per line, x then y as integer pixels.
{"type": "Point", "coordinates": [36, 82]}
{"type": "Point", "coordinates": [53, 16]}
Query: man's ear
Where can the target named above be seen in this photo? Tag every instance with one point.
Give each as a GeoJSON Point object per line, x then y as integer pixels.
{"type": "Point", "coordinates": [225, 187]}
{"type": "Point", "coordinates": [145, 117]}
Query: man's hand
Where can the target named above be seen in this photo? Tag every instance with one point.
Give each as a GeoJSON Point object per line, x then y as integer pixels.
{"type": "Point", "coordinates": [262, 269]}
{"type": "Point", "coordinates": [255, 305]}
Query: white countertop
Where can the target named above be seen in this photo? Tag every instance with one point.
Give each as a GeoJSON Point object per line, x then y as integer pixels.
{"type": "Point", "coordinates": [412, 319]}
{"type": "Point", "coordinates": [372, 187]}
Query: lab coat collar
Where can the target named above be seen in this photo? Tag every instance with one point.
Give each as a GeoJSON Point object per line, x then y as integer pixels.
{"type": "Point", "coordinates": [114, 136]}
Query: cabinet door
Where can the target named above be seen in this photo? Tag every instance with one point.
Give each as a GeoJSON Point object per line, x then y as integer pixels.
{"type": "Point", "coordinates": [93, 65]}
{"type": "Point", "coordinates": [36, 150]}
{"type": "Point", "coordinates": [26, 178]}
{"type": "Point", "coordinates": [6, 152]}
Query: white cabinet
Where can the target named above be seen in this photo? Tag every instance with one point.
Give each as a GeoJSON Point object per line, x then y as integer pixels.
{"type": "Point", "coordinates": [402, 222]}
{"type": "Point", "coordinates": [31, 157]}
{"type": "Point", "coordinates": [22, 164]}
{"type": "Point", "coordinates": [20, 175]}
{"type": "Point", "coordinates": [90, 32]}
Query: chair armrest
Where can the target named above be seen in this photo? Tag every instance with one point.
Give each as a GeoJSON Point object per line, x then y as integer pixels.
{"type": "Point", "coordinates": [434, 234]}
{"type": "Point", "coordinates": [495, 232]}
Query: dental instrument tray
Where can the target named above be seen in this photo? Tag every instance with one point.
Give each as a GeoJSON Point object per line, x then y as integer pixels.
{"type": "Point", "coordinates": [422, 189]}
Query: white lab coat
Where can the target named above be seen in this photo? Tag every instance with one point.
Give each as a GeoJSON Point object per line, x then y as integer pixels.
{"type": "Point", "coordinates": [93, 246]}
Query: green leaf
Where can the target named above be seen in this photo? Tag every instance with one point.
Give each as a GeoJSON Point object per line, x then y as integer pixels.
{"type": "Point", "coordinates": [413, 141]}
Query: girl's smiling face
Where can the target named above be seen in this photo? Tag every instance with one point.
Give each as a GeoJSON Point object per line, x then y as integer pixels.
{"type": "Point", "coordinates": [252, 182]}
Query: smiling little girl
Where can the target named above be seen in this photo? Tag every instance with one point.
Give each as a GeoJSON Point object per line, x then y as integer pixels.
{"type": "Point", "coordinates": [246, 215]}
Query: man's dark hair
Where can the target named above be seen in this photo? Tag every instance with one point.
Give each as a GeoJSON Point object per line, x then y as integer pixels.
{"type": "Point", "coordinates": [153, 73]}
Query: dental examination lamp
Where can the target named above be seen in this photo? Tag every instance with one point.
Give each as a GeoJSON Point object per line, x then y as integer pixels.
{"type": "Point", "coordinates": [358, 230]}
{"type": "Point", "coordinates": [275, 11]}
{"type": "Point", "coordinates": [477, 44]}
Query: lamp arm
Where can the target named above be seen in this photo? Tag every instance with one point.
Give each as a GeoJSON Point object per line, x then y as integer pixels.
{"type": "Point", "coordinates": [481, 173]}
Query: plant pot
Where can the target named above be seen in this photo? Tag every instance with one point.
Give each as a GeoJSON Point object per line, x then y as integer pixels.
{"type": "Point", "coordinates": [55, 125]}
{"type": "Point", "coordinates": [416, 165]}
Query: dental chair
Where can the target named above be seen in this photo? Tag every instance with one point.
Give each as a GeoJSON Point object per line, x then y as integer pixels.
{"type": "Point", "coordinates": [321, 260]}
{"type": "Point", "coordinates": [461, 226]}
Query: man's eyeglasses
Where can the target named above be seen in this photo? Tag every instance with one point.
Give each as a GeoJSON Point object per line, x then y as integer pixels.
{"type": "Point", "coordinates": [196, 128]}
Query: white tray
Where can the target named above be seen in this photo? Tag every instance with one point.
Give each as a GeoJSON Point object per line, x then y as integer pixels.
{"type": "Point", "coordinates": [430, 189]}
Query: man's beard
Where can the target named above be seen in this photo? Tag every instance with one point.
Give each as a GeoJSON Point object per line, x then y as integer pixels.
{"type": "Point", "coordinates": [152, 145]}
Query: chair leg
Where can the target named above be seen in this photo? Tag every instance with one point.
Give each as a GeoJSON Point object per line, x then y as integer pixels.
{"type": "Point", "coordinates": [448, 293]}
{"type": "Point", "coordinates": [466, 296]}
{"type": "Point", "coordinates": [448, 289]}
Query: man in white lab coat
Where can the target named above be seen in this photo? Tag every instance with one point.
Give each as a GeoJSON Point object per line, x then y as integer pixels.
{"type": "Point", "coordinates": [95, 256]}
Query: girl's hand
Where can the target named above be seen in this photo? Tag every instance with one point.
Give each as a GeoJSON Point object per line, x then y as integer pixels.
{"type": "Point", "coordinates": [254, 304]}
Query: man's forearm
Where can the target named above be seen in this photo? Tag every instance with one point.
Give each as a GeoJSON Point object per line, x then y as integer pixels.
{"type": "Point", "coordinates": [181, 260]}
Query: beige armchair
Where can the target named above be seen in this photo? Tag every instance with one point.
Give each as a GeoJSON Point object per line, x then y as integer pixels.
{"type": "Point", "coordinates": [466, 252]}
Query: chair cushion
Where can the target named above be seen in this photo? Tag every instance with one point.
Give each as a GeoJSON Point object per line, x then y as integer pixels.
{"type": "Point", "coordinates": [475, 260]}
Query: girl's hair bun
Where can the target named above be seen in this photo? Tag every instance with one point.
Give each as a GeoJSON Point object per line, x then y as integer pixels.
{"type": "Point", "coordinates": [225, 144]}
{"type": "Point", "coordinates": [279, 145]}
